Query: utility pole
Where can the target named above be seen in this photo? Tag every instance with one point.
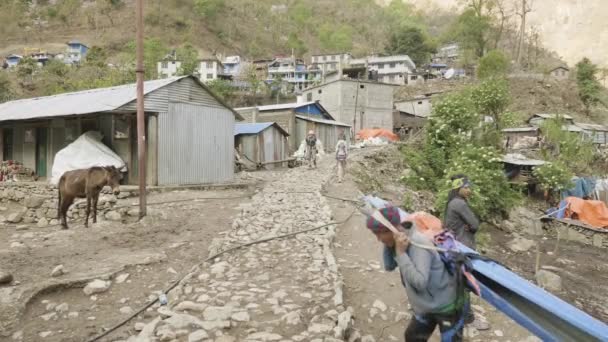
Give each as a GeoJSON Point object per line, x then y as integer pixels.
{"type": "Point", "coordinates": [141, 125]}
{"type": "Point", "coordinates": [355, 113]}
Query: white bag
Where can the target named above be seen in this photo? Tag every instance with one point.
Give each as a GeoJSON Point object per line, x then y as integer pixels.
{"type": "Point", "coordinates": [85, 152]}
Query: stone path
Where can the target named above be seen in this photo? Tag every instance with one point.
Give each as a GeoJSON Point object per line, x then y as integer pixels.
{"type": "Point", "coordinates": [281, 290]}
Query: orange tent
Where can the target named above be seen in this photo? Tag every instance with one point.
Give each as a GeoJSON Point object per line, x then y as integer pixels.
{"type": "Point", "coordinates": [377, 133]}
{"type": "Point", "coordinates": [594, 213]}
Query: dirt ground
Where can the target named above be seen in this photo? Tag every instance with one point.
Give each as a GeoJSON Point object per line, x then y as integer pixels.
{"type": "Point", "coordinates": [583, 268]}
{"type": "Point", "coordinates": [154, 252]}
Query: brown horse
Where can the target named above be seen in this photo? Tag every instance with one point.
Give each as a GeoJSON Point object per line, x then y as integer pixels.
{"type": "Point", "coordinates": [85, 183]}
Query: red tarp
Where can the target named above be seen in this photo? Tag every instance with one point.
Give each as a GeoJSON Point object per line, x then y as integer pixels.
{"type": "Point", "coordinates": [594, 213]}
{"type": "Point", "coordinates": [377, 133]}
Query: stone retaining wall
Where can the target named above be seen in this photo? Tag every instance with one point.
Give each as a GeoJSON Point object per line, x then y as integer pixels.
{"type": "Point", "coordinates": [39, 203]}
{"type": "Point", "coordinates": [579, 234]}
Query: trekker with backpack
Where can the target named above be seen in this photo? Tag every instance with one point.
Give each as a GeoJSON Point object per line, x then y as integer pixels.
{"type": "Point", "coordinates": [463, 223]}
{"type": "Point", "coordinates": [311, 149]}
{"type": "Point", "coordinates": [341, 155]}
{"type": "Point", "coordinates": [435, 293]}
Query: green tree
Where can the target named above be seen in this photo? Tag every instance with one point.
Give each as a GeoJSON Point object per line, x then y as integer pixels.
{"type": "Point", "coordinates": [413, 42]}
{"type": "Point", "coordinates": [154, 51]}
{"type": "Point", "coordinates": [26, 69]}
{"type": "Point", "coordinates": [472, 30]}
{"type": "Point", "coordinates": [298, 46]}
{"type": "Point", "coordinates": [300, 14]}
{"type": "Point", "coordinates": [493, 64]}
{"type": "Point", "coordinates": [6, 88]}
{"type": "Point", "coordinates": [588, 85]}
{"type": "Point", "coordinates": [97, 56]}
{"type": "Point", "coordinates": [221, 88]}
{"type": "Point", "coordinates": [251, 77]}
{"type": "Point", "coordinates": [334, 38]}
{"type": "Point", "coordinates": [188, 56]}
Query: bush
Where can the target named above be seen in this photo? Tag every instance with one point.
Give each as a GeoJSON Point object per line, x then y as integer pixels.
{"type": "Point", "coordinates": [493, 64]}
{"type": "Point", "coordinates": [491, 193]}
{"type": "Point", "coordinates": [553, 176]}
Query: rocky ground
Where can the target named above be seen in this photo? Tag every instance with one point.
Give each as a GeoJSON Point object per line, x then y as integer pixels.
{"type": "Point", "coordinates": [323, 285]}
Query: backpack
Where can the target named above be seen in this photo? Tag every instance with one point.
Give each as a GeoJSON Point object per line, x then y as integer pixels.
{"type": "Point", "coordinates": [341, 153]}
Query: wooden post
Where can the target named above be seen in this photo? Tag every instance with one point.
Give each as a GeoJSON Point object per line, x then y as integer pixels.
{"type": "Point", "coordinates": [141, 124]}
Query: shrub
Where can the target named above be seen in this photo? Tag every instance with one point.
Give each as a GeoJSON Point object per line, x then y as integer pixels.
{"type": "Point", "coordinates": [553, 176]}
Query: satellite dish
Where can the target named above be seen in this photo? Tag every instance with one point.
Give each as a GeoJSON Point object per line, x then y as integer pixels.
{"type": "Point", "coordinates": [449, 74]}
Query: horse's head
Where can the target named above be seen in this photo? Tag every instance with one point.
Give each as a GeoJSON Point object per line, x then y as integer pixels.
{"type": "Point", "coordinates": [113, 178]}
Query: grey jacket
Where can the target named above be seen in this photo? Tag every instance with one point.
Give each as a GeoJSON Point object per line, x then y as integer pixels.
{"type": "Point", "coordinates": [460, 219]}
{"type": "Point", "coordinates": [429, 286]}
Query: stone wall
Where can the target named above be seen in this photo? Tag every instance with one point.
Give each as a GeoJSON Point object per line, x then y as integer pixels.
{"type": "Point", "coordinates": [39, 203]}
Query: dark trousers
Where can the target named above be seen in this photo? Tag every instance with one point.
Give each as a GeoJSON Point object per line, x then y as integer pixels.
{"type": "Point", "coordinates": [421, 328]}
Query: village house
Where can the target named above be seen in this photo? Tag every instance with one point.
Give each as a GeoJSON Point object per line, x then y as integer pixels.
{"type": "Point", "coordinates": [208, 69]}
{"type": "Point", "coordinates": [412, 114]}
{"type": "Point", "coordinates": [560, 73]}
{"type": "Point", "coordinates": [518, 138]}
{"type": "Point", "coordinates": [297, 119]}
{"type": "Point", "coordinates": [232, 66]}
{"type": "Point", "coordinates": [597, 134]}
{"type": "Point", "coordinates": [397, 70]}
{"type": "Point", "coordinates": [359, 103]}
{"type": "Point", "coordinates": [189, 130]}
{"type": "Point", "coordinates": [76, 52]}
{"type": "Point", "coordinates": [291, 71]}
{"type": "Point", "coordinates": [447, 54]}
{"type": "Point", "coordinates": [538, 119]}
{"type": "Point", "coordinates": [263, 143]}
{"type": "Point", "coordinates": [261, 68]}
{"type": "Point", "coordinates": [326, 63]}
{"type": "Point", "coordinates": [12, 61]}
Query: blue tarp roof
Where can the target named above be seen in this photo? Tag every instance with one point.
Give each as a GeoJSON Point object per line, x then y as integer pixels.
{"type": "Point", "coordinates": [438, 65]}
{"type": "Point", "coordinates": [254, 128]}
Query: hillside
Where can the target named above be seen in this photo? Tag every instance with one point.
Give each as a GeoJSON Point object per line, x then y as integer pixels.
{"type": "Point", "coordinates": [572, 28]}
{"type": "Point", "coordinates": [254, 28]}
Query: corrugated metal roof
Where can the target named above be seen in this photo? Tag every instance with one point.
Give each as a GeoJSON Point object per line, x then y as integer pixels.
{"type": "Point", "coordinates": [592, 127]}
{"type": "Point", "coordinates": [323, 121]}
{"type": "Point", "coordinates": [553, 116]}
{"type": "Point", "coordinates": [520, 129]}
{"type": "Point", "coordinates": [519, 159]}
{"type": "Point", "coordinates": [284, 106]}
{"type": "Point", "coordinates": [81, 102]}
{"type": "Point", "coordinates": [86, 101]}
{"type": "Point", "coordinates": [255, 128]}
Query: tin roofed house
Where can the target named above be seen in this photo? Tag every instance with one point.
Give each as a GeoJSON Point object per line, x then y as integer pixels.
{"type": "Point", "coordinates": [189, 130]}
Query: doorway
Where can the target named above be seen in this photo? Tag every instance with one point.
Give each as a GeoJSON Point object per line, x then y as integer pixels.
{"type": "Point", "coordinates": [41, 151]}
{"type": "Point", "coordinates": [7, 144]}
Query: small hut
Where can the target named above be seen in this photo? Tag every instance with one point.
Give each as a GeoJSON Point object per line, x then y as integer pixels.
{"type": "Point", "coordinates": [263, 143]}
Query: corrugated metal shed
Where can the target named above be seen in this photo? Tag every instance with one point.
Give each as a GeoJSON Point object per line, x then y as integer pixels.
{"type": "Point", "coordinates": [592, 127]}
{"type": "Point", "coordinates": [255, 128]}
{"type": "Point", "coordinates": [88, 101]}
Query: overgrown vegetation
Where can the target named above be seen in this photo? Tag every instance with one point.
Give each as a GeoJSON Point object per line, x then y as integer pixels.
{"type": "Point", "coordinates": [588, 86]}
{"type": "Point", "coordinates": [459, 141]}
{"type": "Point", "coordinates": [494, 64]}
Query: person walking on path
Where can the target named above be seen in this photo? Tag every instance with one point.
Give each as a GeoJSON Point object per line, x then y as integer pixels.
{"type": "Point", "coordinates": [464, 224]}
{"type": "Point", "coordinates": [432, 291]}
{"type": "Point", "coordinates": [341, 156]}
{"type": "Point", "coordinates": [311, 149]}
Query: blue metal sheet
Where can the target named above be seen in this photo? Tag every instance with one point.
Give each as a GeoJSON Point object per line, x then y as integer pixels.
{"type": "Point", "coordinates": [251, 128]}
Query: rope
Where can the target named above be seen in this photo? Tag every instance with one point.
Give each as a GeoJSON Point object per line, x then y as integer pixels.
{"type": "Point", "coordinates": [195, 267]}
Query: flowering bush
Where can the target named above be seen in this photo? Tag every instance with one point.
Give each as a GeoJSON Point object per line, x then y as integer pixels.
{"type": "Point", "coordinates": [491, 192]}
{"type": "Point", "coordinates": [553, 176]}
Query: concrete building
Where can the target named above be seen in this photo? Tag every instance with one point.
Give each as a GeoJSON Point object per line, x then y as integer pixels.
{"type": "Point", "coordinates": [12, 61]}
{"type": "Point", "coordinates": [232, 66]}
{"type": "Point", "coordinates": [297, 119]}
{"type": "Point", "coordinates": [448, 54]}
{"type": "Point", "coordinates": [326, 63]}
{"type": "Point", "coordinates": [291, 71]}
{"type": "Point", "coordinates": [189, 130]}
{"type": "Point", "coordinates": [361, 104]}
{"type": "Point", "coordinates": [262, 143]}
{"type": "Point", "coordinates": [560, 73]}
{"type": "Point", "coordinates": [392, 69]}
{"type": "Point", "coordinates": [208, 69]}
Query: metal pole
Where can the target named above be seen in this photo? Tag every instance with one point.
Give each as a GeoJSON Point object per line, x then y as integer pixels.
{"type": "Point", "coordinates": [141, 125]}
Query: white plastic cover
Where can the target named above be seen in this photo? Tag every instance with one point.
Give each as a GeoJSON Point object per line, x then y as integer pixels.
{"type": "Point", "coordinates": [85, 152]}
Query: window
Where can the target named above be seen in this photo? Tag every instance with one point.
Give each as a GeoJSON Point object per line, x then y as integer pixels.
{"type": "Point", "coordinates": [320, 91]}
{"type": "Point", "coordinates": [324, 58]}
{"type": "Point", "coordinates": [209, 65]}
{"type": "Point", "coordinates": [164, 65]}
{"type": "Point", "coordinates": [563, 72]}
{"type": "Point", "coordinates": [414, 77]}
{"type": "Point", "coordinates": [391, 78]}
{"type": "Point", "coordinates": [362, 86]}
{"type": "Point", "coordinates": [333, 58]}
{"type": "Point", "coordinates": [209, 76]}
{"type": "Point", "coordinates": [309, 97]}
{"type": "Point", "coordinates": [392, 65]}
{"type": "Point", "coordinates": [419, 102]}
{"type": "Point", "coordinates": [380, 66]}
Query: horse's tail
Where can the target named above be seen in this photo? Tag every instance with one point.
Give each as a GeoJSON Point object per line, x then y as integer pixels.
{"type": "Point", "coordinates": [59, 198]}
